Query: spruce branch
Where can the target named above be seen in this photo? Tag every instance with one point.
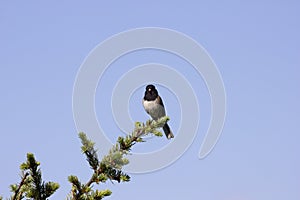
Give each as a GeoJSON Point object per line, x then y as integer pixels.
{"type": "Point", "coordinates": [110, 167]}
{"type": "Point", "coordinates": [32, 186]}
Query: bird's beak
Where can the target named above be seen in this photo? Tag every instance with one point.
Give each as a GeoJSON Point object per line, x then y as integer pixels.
{"type": "Point", "coordinates": [149, 90]}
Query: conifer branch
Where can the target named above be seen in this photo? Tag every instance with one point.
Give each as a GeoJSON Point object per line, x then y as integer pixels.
{"type": "Point", "coordinates": [32, 186]}
{"type": "Point", "coordinates": [110, 167]}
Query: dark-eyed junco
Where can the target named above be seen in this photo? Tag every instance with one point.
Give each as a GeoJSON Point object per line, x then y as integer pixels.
{"type": "Point", "coordinates": [154, 106]}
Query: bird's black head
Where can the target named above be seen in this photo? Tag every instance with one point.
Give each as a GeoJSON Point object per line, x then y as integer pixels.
{"type": "Point", "coordinates": [150, 93]}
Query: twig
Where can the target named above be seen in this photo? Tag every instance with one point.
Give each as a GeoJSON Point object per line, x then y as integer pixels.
{"type": "Point", "coordinates": [16, 195]}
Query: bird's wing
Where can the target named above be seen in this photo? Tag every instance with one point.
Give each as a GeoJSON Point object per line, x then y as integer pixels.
{"type": "Point", "coordinates": [159, 101]}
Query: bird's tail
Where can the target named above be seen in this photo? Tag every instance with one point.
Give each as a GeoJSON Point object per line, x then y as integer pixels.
{"type": "Point", "coordinates": [168, 131]}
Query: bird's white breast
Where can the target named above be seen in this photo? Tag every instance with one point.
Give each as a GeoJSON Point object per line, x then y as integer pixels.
{"type": "Point", "coordinates": [154, 109]}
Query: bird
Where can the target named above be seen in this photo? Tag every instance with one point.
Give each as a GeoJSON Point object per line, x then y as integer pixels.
{"type": "Point", "coordinates": [154, 106]}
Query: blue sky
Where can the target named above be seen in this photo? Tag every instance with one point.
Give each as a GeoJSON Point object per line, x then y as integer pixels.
{"type": "Point", "coordinates": [255, 45]}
